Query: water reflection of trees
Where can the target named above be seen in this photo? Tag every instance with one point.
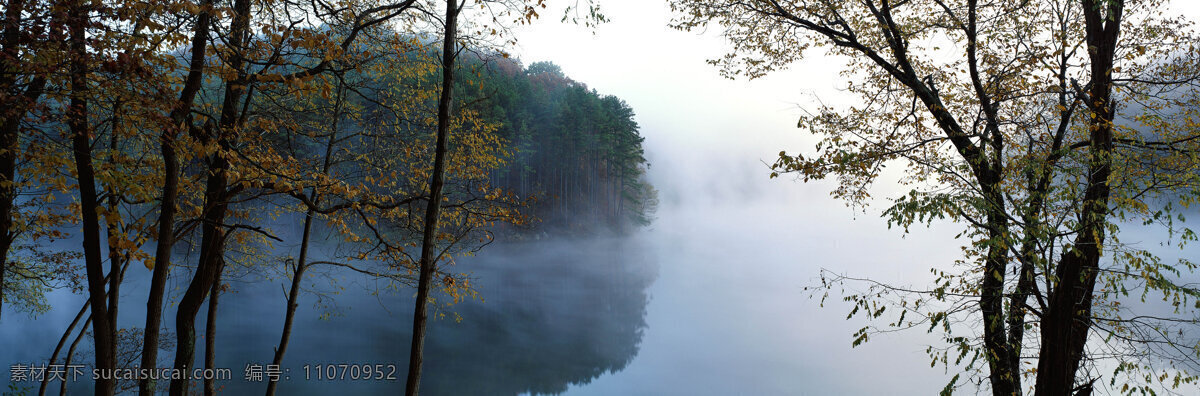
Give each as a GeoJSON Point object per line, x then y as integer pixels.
{"type": "Point", "coordinates": [554, 316]}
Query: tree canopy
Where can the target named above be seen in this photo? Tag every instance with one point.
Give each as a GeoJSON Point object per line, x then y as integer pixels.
{"type": "Point", "coordinates": [1041, 126]}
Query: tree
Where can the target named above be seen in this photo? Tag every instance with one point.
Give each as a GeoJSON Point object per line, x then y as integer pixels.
{"type": "Point", "coordinates": [22, 84]}
{"type": "Point", "coordinates": [436, 182]}
{"type": "Point", "coordinates": [289, 54]}
{"type": "Point", "coordinates": [1066, 318]}
{"type": "Point", "coordinates": [179, 117]}
{"type": "Point", "coordinates": [431, 253]}
{"type": "Point", "coordinates": [109, 59]}
{"type": "Point", "coordinates": [981, 101]}
{"type": "Point", "coordinates": [577, 152]}
{"type": "Point", "coordinates": [103, 326]}
{"type": "Point", "coordinates": [18, 100]}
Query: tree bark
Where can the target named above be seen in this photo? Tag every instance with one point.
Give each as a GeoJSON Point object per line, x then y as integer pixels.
{"type": "Point", "coordinates": [305, 237]}
{"type": "Point", "coordinates": [170, 192]}
{"type": "Point", "coordinates": [77, 113]}
{"type": "Point", "coordinates": [62, 387]}
{"type": "Point", "coordinates": [9, 126]}
{"type": "Point", "coordinates": [112, 228]}
{"type": "Point", "coordinates": [17, 103]}
{"type": "Point", "coordinates": [63, 341]}
{"type": "Point", "coordinates": [429, 237]}
{"type": "Point", "coordinates": [210, 335]}
{"type": "Point", "coordinates": [1067, 319]}
{"type": "Point", "coordinates": [216, 202]}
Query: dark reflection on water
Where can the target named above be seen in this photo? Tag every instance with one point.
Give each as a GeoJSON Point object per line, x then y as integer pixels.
{"type": "Point", "coordinates": [554, 314]}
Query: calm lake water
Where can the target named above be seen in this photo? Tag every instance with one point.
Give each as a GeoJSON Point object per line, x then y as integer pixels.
{"type": "Point", "coordinates": [708, 300]}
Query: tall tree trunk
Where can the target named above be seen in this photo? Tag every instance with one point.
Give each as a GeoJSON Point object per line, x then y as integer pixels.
{"type": "Point", "coordinates": [305, 237]}
{"type": "Point", "coordinates": [71, 330]}
{"type": "Point", "coordinates": [1025, 282]}
{"type": "Point", "coordinates": [1067, 321]}
{"type": "Point", "coordinates": [63, 341]}
{"type": "Point", "coordinates": [10, 121]}
{"type": "Point", "coordinates": [77, 114]}
{"type": "Point", "coordinates": [429, 238]}
{"type": "Point", "coordinates": [113, 228]}
{"type": "Point", "coordinates": [62, 387]}
{"type": "Point", "coordinates": [216, 202]}
{"type": "Point", "coordinates": [170, 191]}
{"type": "Point", "coordinates": [1039, 186]}
{"type": "Point", "coordinates": [211, 248]}
{"type": "Point", "coordinates": [210, 335]}
{"type": "Point", "coordinates": [293, 297]}
{"type": "Point", "coordinates": [1004, 379]}
{"type": "Point", "coordinates": [17, 105]}
{"type": "Point", "coordinates": [1038, 177]}
{"type": "Point", "coordinates": [989, 173]}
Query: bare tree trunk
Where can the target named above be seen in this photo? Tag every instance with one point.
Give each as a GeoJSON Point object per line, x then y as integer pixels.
{"type": "Point", "coordinates": [62, 341]}
{"type": "Point", "coordinates": [428, 239]}
{"type": "Point", "coordinates": [71, 329]}
{"type": "Point", "coordinates": [216, 204]}
{"type": "Point", "coordinates": [1067, 319]}
{"type": "Point", "coordinates": [9, 127]}
{"type": "Point", "coordinates": [166, 215]}
{"type": "Point", "coordinates": [103, 334]}
{"type": "Point", "coordinates": [293, 296]}
{"type": "Point", "coordinates": [115, 257]}
{"type": "Point", "coordinates": [302, 261]}
{"type": "Point", "coordinates": [210, 335]}
{"type": "Point", "coordinates": [62, 388]}
{"type": "Point", "coordinates": [17, 105]}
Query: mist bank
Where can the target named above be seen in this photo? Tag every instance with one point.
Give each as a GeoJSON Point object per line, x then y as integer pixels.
{"type": "Point", "coordinates": [549, 314]}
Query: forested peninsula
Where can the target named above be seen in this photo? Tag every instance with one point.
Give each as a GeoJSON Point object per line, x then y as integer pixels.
{"type": "Point", "coordinates": [205, 143]}
{"type": "Point", "coordinates": [577, 151]}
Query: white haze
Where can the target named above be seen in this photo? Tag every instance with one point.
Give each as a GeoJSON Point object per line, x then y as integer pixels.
{"type": "Point", "coordinates": [735, 247]}
{"type": "Point", "coordinates": [727, 313]}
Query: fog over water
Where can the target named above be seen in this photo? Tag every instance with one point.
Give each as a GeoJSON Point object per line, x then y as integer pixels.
{"type": "Point", "coordinates": [707, 300]}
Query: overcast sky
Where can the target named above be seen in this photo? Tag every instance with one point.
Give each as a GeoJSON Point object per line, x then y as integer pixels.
{"type": "Point", "coordinates": [690, 115]}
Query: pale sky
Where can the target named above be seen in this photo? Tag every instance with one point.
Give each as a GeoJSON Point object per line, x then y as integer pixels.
{"type": "Point", "coordinates": [682, 104]}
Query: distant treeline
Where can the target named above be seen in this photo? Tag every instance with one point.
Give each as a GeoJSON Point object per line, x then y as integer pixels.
{"type": "Point", "coordinates": [570, 157]}
{"type": "Point", "coordinates": [577, 152]}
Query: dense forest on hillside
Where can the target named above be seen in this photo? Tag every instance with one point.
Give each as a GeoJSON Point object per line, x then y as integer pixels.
{"type": "Point", "coordinates": [571, 157]}
{"type": "Point", "coordinates": [577, 150]}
